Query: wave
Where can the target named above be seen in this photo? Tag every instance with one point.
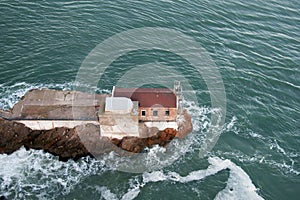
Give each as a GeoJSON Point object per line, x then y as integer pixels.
{"type": "Point", "coordinates": [59, 178]}
{"type": "Point", "coordinates": [34, 173]}
{"type": "Point", "coordinates": [239, 184]}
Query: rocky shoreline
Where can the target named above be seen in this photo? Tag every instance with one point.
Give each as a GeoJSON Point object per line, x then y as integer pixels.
{"type": "Point", "coordinates": [80, 141]}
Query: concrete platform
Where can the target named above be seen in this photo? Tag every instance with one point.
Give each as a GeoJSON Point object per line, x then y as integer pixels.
{"type": "Point", "coordinates": [48, 104]}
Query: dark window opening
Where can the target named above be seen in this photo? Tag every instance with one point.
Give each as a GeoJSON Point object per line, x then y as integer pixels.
{"type": "Point", "coordinates": [143, 112]}
{"type": "Point", "coordinates": [155, 113]}
{"type": "Point", "coordinates": [167, 113]}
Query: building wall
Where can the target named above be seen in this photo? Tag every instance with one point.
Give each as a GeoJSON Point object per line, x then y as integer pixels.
{"type": "Point", "coordinates": [51, 124]}
{"type": "Point", "coordinates": [118, 105]}
{"type": "Point", "coordinates": [119, 126]}
{"type": "Point", "coordinates": [161, 116]}
{"type": "Point", "coordinates": [162, 125]}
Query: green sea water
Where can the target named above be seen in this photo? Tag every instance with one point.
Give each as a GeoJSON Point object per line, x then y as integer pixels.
{"type": "Point", "coordinates": [255, 45]}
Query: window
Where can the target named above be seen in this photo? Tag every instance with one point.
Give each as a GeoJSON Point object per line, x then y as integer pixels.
{"type": "Point", "coordinates": [167, 113]}
{"type": "Point", "coordinates": [143, 112]}
{"type": "Point", "coordinates": [155, 113]}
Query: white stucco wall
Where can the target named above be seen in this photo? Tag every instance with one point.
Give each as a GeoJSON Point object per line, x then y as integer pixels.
{"type": "Point", "coordinates": [119, 131]}
{"type": "Point", "coordinates": [162, 125]}
{"type": "Point", "coordinates": [50, 124]}
{"type": "Point", "coordinates": [118, 104]}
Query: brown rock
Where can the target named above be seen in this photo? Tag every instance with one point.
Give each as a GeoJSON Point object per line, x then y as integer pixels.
{"type": "Point", "coordinates": [83, 140]}
{"type": "Point", "coordinates": [12, 137]}
{"type": "Point", "coordinates": [185, 126]}
{"type": "Point", "coordinates": [15, 135]}
{"type": "Point", "coordinates": [136, 145]}
{"type": "Point", "coordinates": [133, 144]}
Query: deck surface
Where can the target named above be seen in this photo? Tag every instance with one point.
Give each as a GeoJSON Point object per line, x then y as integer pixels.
{"type": "Point", "coordinates": [57, 105]}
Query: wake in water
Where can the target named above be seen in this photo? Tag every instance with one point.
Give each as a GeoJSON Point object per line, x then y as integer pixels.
{"type": "Point", "coordinates": [239, 185]}
{"type": "Point", "coordinates": [20, 170]}
{"type": "Point", "coordinates": [29, 174]}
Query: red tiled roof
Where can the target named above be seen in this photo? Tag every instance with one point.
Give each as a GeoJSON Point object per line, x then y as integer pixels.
{"type": "Point", "coordinates": [148, 97]}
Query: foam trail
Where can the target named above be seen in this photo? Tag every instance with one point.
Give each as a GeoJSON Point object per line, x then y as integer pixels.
{"type": "Point", "coordinates": [131, 194]}
{"type": "Point", "coordinates": [106, 193]}
{"type": "Point", "coordinates": [239, 184]}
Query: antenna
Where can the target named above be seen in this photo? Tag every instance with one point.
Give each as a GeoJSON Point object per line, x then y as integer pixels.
{"type": "Point", "coordinates": [179, 97]}
{"type": "Point", "coordinates": [177, 88]}
{"type": "Point", "coordinates": [113, 91]}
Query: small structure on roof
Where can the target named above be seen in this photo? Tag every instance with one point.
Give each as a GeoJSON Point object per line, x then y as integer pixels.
{"type": "Point", "coordinates": [118, 104]}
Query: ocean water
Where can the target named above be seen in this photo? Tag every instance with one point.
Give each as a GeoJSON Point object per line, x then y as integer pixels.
{"type": "Point", "coordinates": [255, 46]}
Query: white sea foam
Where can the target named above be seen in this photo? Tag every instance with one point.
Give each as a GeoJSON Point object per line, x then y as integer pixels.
{"type": "Point", "coordinates": [19, 172]}
{"type": "Point", "coordinates": [106, 193]}
{"type": "Point", "coordinates": [286, 166]}
{"type": "Point", "coordinates": [131, 194]}
{"type": "Point", "coordinates": [287, 159]}
{"type": "Point", "coordinates": [239, 184]}
{"type": "Point", "coordinates": [256, 135]}
{"type": "Point", "coordinates": [10, 170]}
{"type": "Point", "coordinates": [231, 124]}
{"type": "Point", "coordinates": [276, 146]}
{"type": "Point", "coordinates": [200, 118]}
{"type": "Point", "coordinates": [158, 157]}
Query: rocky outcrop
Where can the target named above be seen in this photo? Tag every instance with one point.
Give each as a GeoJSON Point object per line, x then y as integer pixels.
{"type": "Point", "coordinates": [185, 125]}
{"type": "Point", "coordinates": [83, 140]}
{"type": "Point", "coordinates": [62, 142]}
{"type": "Point", "coordinates": [137, 145]}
